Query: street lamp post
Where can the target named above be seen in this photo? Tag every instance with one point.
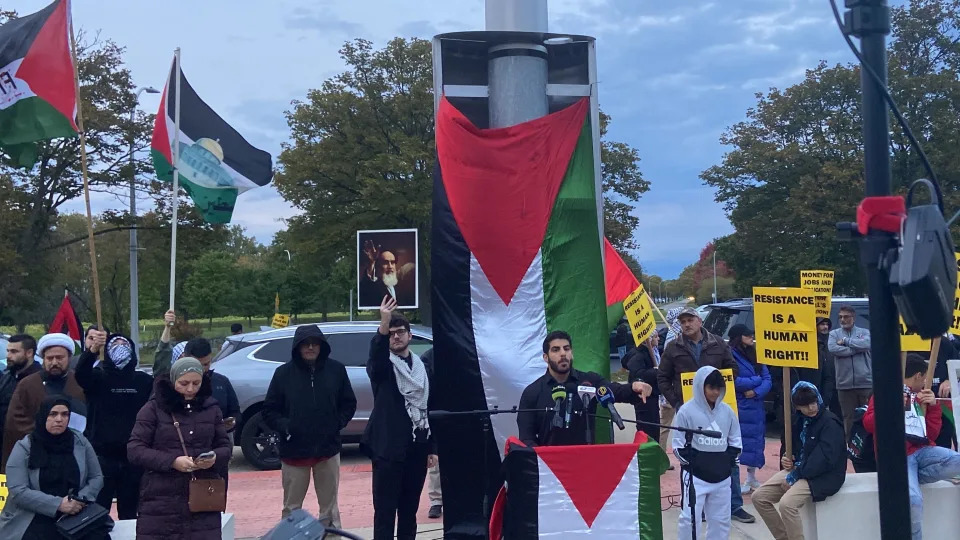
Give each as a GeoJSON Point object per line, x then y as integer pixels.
{"type": "Point", "coordinates": [134, 275]}
{"type": "Point", "coordinates": [714, 275]}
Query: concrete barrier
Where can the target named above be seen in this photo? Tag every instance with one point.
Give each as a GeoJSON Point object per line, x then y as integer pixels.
{"type": "Point", "coordinates": [852, 514]}
{"type": "Point", "coordinates": [127, 529]}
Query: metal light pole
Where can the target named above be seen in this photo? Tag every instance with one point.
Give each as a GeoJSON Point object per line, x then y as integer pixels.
{"type": "Point", "coordinates": [714, 275]}
{"type": "Point", "coordinates": [134, 273]}
{"type": "Point", "coordinates": [517, 71]}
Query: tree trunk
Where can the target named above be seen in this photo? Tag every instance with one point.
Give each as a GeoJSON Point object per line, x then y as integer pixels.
{"type": "Point", "coordinates": [210, 325]}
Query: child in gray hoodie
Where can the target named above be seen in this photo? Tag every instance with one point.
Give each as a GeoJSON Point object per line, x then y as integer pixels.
{"type": "Point", "coordinates": [708, 459]}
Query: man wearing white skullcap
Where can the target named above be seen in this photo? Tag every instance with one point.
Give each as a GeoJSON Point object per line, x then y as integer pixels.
{"type": "Point", "coordinates": [56, 379]}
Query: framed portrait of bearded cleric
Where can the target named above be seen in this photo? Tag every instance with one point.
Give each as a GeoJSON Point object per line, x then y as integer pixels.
{"type": "Point", "coordinates": [387, 265]}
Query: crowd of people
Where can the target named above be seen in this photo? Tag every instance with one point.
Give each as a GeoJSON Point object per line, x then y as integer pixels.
{"type": "Point", "coordinates": [80, 432]}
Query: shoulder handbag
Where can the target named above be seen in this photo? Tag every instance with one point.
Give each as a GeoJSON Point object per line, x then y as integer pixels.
{"type": "Point", "coordinates": [93, 517]}
{"type": "Point", "coordinates": [206, 494]}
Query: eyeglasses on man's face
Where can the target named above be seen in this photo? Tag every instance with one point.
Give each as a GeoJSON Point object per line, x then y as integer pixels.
{"type": "Point", "coordinates": [399, 332]}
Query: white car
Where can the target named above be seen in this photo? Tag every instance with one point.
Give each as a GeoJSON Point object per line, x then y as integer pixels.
{"type": "Point", "coordinates": [703, 311]}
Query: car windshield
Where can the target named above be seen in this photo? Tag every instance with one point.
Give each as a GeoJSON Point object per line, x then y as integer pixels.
{"type": "Point", "coordinates": [719, 321]}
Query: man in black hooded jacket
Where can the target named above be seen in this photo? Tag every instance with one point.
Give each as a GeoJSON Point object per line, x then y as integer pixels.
{"type": "Point", "coordinates": [309, 401]}
{"type": "Point", "coordinates": [115, 393]}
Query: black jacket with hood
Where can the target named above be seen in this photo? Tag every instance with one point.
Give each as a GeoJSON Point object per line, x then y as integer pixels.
{"type": "Point", "coordinates": [309, 405]}
{"type": "Point", "coordinates": [114, 397]}
{"type": "Point", "coordinates": [821, 453]}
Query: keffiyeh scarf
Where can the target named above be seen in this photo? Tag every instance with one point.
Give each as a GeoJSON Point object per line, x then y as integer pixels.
{"type": "Point", "coordinates": [414, 386]}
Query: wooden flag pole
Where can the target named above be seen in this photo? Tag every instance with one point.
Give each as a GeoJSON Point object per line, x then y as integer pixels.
{"type": "Point", "coordinates": [932, 364]}
{"type": "Point", "coordinates": [787, 415]}
{"type": "Point", "coordinates": [86, 183]}
{"type": "Point", "coordinates": [654, 304]}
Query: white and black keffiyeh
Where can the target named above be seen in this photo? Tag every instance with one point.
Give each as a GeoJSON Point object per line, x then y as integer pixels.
{"type": "Point", "coordinates": [414, 386]}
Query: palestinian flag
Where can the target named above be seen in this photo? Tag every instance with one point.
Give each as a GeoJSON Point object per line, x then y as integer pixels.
{"type": "Point", "coordinates": [620, 283]}
{"type": "Point", "coordinates": [516, 237]}
{"type": "Point", "coordinates": [38, 98]}
{"type": "Point", "coordinates": [66, 321]}
{"type": "Point", "coordinates": [609, 491]}
{"type": "Point", "coordinates": [216, 163]}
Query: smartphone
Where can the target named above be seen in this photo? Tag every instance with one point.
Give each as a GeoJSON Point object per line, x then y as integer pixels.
{"type": "Point", "coordinates": [206, 456]}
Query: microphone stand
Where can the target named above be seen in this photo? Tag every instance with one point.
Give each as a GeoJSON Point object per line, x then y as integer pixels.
{"type": "Point", "coordinates": [688, 431]}
{"type": "Point", "coordinates": [484, 416]}
{"type": "Point", "coordinates": [691, 490]}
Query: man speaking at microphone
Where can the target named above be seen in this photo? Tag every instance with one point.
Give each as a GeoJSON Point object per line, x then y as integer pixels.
{"type": "Point", "coordinates": [568, 426]}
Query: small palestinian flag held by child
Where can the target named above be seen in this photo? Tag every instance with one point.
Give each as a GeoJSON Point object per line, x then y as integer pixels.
{"type": "Point", "coordinates": [38, 99]}
{"type": "Point", "coordinates": [216, 163]}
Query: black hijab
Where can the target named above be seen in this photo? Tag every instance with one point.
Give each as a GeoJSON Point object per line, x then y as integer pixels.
{"type": "Point", "coordinates": [53, 454]}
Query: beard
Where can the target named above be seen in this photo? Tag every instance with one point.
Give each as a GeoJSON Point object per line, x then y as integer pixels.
{"type": "Point", "coordinates": [391, 280]}
{"type": "Point", "coordinates": [555, 366]}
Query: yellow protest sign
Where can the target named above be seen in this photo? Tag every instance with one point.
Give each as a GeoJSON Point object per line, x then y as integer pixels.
{"type": "Point", "coordinates": [639, 315]}
{"type": "Point", "coordinates": [911, 341]}
{"type": "Point", "coordinates": [821, 283]}
{"type": "Point", "coordinates": [729, 397]}
{"type": "Point", "coordinates": [3, 491]}
{"type": "Point", "coordinates": [955, 327]}
{"type": "Point", "coordinates": [280, 321]}
{"type": "Point", "coordinates": [785, 322]}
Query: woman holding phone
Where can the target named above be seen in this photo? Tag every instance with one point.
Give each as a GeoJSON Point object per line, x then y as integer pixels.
{"type": "Point", "coordinates": [183, 401]}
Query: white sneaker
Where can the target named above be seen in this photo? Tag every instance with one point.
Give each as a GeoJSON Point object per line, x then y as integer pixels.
{"type": "Point", "coordinates": [753, 483]}
{"type": "Point", "coordinates": [744, 489]}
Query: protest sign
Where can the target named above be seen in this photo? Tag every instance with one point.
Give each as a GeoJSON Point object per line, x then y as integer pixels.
{"type": "Point", "coordinates": [639, 315]}
{"type": "Point", "coordinates": [785, 323]}
{"type": "Point", "coordinates": [955, 327]}
{"type": "Point", "coordinates": [911, 341]}
{"type": "Point", "coordinates": [280, 321]}
{"type": "Point", "coordinates": [821, 283]}
{"type": "Point", "coordinates": [3, 491]}
{"type": "Point", "coordinates": [729, 397]}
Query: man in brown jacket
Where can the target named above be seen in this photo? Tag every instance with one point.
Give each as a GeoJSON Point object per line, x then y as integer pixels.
{"type": "Point", "coordinates": [55, 379]}
{"type": "Point", "coordinates": [692, 350]}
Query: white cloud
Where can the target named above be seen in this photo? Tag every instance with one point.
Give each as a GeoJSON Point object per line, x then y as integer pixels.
{"type": "Point", "coordinates": [677, 229]}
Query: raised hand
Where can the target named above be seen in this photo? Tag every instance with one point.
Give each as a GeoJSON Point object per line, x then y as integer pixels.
{"type": "Point", "coordinates": [386, 312]}
{"type": "Point", "coordinates": [371, 251]}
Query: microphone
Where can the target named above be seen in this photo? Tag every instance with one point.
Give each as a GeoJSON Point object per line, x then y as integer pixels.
{"type": "Point", "coordinates": [558, 393]}
{"type": "Point", "coordinates": [566, 419]}
{"type": "Point", "coordinates": [587, 393]}
{"type": "Point", "coordinates": [605, 398]}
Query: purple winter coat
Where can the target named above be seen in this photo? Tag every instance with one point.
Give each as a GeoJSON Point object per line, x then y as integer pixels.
{"type": "Point", "coordinates": [154, 445]}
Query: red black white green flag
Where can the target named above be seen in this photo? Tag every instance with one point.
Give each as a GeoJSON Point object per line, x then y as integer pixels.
{"type": "Point", "coordinates": [38, 99]}
{"type": "Point", "coordinates": [620, 283]}
{"type": "Point", "coordinates": [216, 164]}
{"type": "Point", "coordinates": [66, 321]}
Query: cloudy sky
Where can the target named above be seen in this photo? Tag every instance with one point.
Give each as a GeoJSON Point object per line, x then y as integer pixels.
{"type": "Point", "coordinates": [673, 75]}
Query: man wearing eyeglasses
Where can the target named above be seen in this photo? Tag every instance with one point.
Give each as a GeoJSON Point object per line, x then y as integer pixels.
{"type": "Point", "coordinates": [850, 347]}
{"type": "Point", "coordinates": [397, 437]}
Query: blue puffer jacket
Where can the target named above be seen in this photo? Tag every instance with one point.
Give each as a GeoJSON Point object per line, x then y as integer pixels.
{"type": "Point", "coordinates": [753, 421]}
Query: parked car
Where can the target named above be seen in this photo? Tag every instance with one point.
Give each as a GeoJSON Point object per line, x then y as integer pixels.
{"type": "Point", "coordinates": [249, 361]}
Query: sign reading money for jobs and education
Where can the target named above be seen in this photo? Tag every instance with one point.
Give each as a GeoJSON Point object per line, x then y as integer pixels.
{"type": "Point", "coordinates": [639, 315]}
{"type": "Point", "coordinates": [821, 283]}
{"type": "Point", "coordinates": [785, 322]}
{"type": "Point", "coordinates": [729, 396]}
{"type": "Point", "coordinates": [911, 341]}
{"type": "Point", "coordinates": [280, 321]}
{"type": "Point", "coordinates": [955, 327]}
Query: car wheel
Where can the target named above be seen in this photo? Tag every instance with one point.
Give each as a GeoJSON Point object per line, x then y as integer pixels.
{"type": "Point", "coordinates": [259, 444]}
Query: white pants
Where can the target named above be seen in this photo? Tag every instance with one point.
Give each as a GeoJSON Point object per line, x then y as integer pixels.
{"type": "Point", "coordinates": [714, 501]}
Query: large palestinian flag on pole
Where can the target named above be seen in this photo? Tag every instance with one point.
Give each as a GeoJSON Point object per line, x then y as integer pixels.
{"type": "Point", "coordinates": [620, 283]}
{"type": "Point", "coordinates": [516, 251]}
{"type": "Point", "coordinates": [216, 164]}
{"type": "Point", "coordinates": [38, 98]}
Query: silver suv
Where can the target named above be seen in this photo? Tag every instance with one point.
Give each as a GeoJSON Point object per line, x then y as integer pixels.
{"type": "Point", "coordinates": [249, 361]}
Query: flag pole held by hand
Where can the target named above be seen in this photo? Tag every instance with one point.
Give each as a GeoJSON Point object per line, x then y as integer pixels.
{"type": "Point", "coordinates": [86, 182]}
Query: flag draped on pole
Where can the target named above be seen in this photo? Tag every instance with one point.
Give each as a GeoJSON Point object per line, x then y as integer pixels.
{"type": "Point", "coordinates": [620, 282]}
{"type": "Point", "coordinates": [66, 320]}
{"type": "Point", "coordinates": [516, 237]}
{"type": "Point", "coordinates": [215, 162]}
{"type": "Point", "coordinates": [38, 99]}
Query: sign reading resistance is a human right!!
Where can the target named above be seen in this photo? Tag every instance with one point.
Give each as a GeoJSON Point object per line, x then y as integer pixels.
{"type": "Point", "coordinates": [955, 327]}
{"type": "Point", "coordinates": [639, 315]}
{"type": "Point", "coordinates": [785, 322]}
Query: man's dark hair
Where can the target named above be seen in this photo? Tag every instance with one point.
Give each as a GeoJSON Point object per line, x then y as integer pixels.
{"type": "Point", "coordinates": [915, 364]}
{"type": "Point", "coordinates": [715, 379]}
{"type": "Point", "coordinates": [197, 348]}
{"type": "Point", "coordinates": [26, 341]}
{"type": "Point", "coordinates": [236, 328]}
{"type": "Point", "coordinates": [556, 334]}
{"type": "Point", "coordinates": [399, 320]}
{"type": "Point", "coordinates": [95, 327]}
{"type": "Point", "coordinates": [847, 309]}
{"type": "Point", "coordinates": [804, 396]}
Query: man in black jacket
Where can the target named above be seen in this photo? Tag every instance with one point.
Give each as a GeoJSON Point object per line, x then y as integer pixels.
{"type": "Point", "coordinates": [815, 471]}
{"type": "Point", "coordinates": [223, 391]}
{"type": "Point", "coordinates": [115, 393]}
{"type": "Point", "coordinates": [308, 402]}
{"type": "Point", "coordinates": [397, 438]}
{"type": "Point", "coordinates": [21, 350]}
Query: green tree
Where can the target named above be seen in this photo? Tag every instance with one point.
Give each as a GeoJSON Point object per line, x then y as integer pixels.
{"type": "Point", "coordinates": [208, 289]}
{"type": "Point", "coordinates": [795, 167]}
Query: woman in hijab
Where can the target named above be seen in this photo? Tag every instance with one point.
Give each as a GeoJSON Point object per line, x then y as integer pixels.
{"type": "Point", "coordinates": [185, 398]}
{"type": "Point", "coordinates": [47, 471]}
{"type": "Point", "coordinates": [752, 384]}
